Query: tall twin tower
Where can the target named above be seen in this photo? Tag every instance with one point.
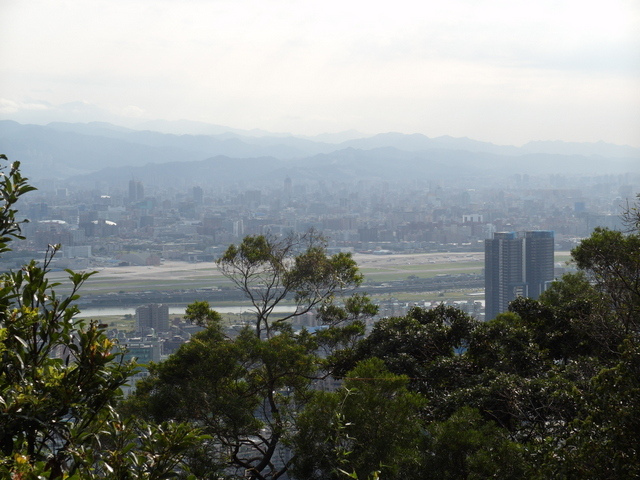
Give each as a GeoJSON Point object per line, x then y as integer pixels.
{"type": "Point", "coordinates": [516, 265]}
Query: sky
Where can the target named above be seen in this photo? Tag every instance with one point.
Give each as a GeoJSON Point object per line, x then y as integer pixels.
{"type": "Point", "coordinates": [503, 71]}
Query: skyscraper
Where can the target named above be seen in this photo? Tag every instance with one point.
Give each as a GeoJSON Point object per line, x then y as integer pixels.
{"type": "Point", "coordinates": [516, 264]}
{"type": "Point", "coordinates": [136, 190]}
{"type": "Point", "coordinates": [538, 255]}
{"type": "Point", "coordinates": [154, 316]}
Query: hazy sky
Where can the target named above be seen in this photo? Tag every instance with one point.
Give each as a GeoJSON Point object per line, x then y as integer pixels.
{"type": "Point", "coordinates": [501, 71]}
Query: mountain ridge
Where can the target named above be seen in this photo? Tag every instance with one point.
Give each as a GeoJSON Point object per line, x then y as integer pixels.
{"type": "Point", "coordinates": [61, 150]}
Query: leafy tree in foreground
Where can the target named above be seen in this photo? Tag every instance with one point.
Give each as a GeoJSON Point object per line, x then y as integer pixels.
{"type": "Point", "coordinates": [247, 392]}
{"type": "Point", "coordinates": [572, 319]}
{"type": "Point", "coordinates": [468, 446]}
{"type": "Point", "coordinates": [612, 259]}
{"type": "Point", "coordinates": [421, 345]}
{"type": "Point", "coordinates": [370, 425]}
{"type": "Point", "coordinates": [60, 378]}
{"type": "Point", "coordinates": [269, 270]}
{"type": "Point", "coordinates": [243, 392]}
{"type": "Point", "coordinates": [199, 313]}
{"type": "Point", "coordinates": [606, 438]}
{"type": "Point", "coordinates": [548, 390]}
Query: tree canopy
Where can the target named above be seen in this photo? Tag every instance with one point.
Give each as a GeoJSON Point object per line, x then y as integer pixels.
{"type": "Point", "coordinates": [60, 380]}
{"type": "Point", "coordinates": [269, 270]}
{"type": "Point", "coordinates": [548, 390]}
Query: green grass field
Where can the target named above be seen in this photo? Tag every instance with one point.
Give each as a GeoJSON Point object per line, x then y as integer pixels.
{"type": "Point", "coordinates": [206, 276]}
{"type": "Point", "coordinates": [401, 272]}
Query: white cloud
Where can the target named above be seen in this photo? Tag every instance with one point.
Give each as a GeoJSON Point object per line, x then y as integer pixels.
{"type": "Point", "coordinates": [379, 65]}
{"type": "Point", "coordinates": [133, 112]}
{"type": "Point", "coordinates": [10, 106]}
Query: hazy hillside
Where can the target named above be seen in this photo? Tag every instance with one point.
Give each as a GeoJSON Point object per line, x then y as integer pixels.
{"type": "Point", "coordinates": [82, 152]}
{"type": "Point", "coordinates": [351, 165]}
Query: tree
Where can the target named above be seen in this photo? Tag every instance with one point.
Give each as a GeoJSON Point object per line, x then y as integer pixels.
{"type": "Point", "coordinates": [269, 270]}
{"type": "Point", "coordinates": [612, 260]}
{"type": "Point", "coordinates": [60, 379]}
{"type": "Point", "coordinates": [606, 435]}
{"type": "Point", "coordinates": [201, 314]}
{"type": "Point", "coordinates": [247, 392]}
{"type": "Point", "coordinates": [631, 215]}
{"type": "Point", "coordinates": [421, 345]}
{"type": "Point", "coordinates": [495, 367]}
{"type": "Point", "coordinates": [571, 320]}
{"type": "Point", "coordinates": [546, 390]}
{"type": "Point", "coordinates": [371, 425]}
{"type": "Point", "coordinates": [244, 392]}
{"type": "Point", "coordinates": [468, 446]}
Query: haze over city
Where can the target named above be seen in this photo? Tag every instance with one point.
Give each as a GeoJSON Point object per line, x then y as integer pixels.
{"type": "Point", "coordinates": [312, 240]}
{"type": "Point", "coordinates": [495, 71]}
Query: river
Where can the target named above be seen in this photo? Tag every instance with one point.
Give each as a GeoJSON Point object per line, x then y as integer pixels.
{"type": "Point", "coordinates": [122, 311]}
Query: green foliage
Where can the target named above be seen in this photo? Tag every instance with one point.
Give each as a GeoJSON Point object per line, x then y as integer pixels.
{"type": "Point", "coordinates": [243, 392]}
{"type": "Point", "coordinates": [612, 259]}
{"type": "Point", "coordinates": [506, 345]}
{"type": "Point", "coordinates": [547, 390]}
{"type": "Point", "coordinates": [571, 320]}
{"type": "Point", "coordinates": [416, 345]}
{"type": "Point", "coordinates": [247, 392]}
{"type": "Point", "coordinates": [201, 314]}
{"type": "Point", "coordinates": [370, 426]}
{"type": "Point", "coordinates": [122, 450]}
{"type": "Point", "coordinates": [356, 307]}
{"type": "Point", "coordinates": [468, 446]}
{"type": "Point", "coordinates": [131, 449]}
{"type": "Point", "coordinates": [269, 270]}
{"type": "Point", "coordinates": [12, 185]}
{"type": "Point", "coordinates": [60, 378]}
{"type": "Point", "coordinates": [606, 434]}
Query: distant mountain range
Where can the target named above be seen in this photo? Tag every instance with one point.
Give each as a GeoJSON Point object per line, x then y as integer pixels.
{"type": "Point", "coordinates": [89, 152]}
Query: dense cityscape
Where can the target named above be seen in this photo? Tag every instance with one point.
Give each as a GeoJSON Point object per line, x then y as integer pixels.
{"type": "Point", "coordinates": [138, 225]}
